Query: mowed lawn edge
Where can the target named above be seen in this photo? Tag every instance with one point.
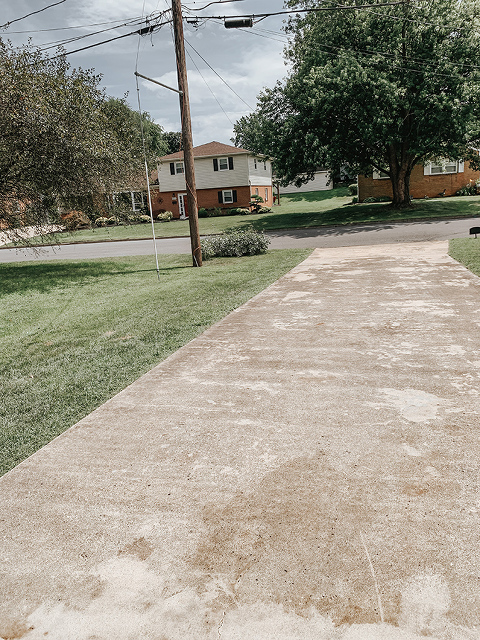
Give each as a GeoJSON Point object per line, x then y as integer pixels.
{"type": "Point", "coordinates": [467, 252]}
{"type": "Point", "coordinates": [303, 210]}
{"type": "Point", "coordinates": [75, 333]}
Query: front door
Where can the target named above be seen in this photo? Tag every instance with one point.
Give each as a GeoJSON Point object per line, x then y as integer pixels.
{"type": "Point", "coordinates": [182, 204]}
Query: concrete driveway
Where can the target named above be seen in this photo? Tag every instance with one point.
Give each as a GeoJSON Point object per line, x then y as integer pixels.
{"type": "Point", "coordinates": [307, 469]}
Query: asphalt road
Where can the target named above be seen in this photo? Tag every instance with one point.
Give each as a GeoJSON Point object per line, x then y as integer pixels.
{"type": "Point", "coordinates": [321, 237]}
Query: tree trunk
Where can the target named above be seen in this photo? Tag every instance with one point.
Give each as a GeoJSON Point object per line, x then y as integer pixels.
{"type": "Point", "coordinates": [400, 171]}
{"type": "Point", "coordinates": [401, 189]}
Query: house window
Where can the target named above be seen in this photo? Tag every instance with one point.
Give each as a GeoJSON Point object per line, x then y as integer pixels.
{"type": "Point", "coordinates": [255, 163]}
{"type": "Point", "coordinates": [137, 200]}
{"type": "Point", "coordinates": [228, 196]}
{"type": "Point", "coordinates": [176, 168]}
{"type": "Point", "coordinates": [440, 168]}
{"type": "Point", "coordinates": [266, 195]}
{"type": "Point", "coordinates": [223, 164]}
{"type": "Point", "coordinates": [256, 191]}
{"type": "Point", "coordinates": [380, 175]}
{"type": "Point", "coordinates": [264, 165]}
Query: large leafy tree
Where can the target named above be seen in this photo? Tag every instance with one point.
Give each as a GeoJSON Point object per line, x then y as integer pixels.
{"type": "Point", "coordinates": [62, 137]}
{"type": "Point", "coordinates": [383, 87]}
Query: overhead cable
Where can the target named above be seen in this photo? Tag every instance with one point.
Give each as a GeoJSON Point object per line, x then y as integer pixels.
{"type": "Point", "coordinates": [7, 24]}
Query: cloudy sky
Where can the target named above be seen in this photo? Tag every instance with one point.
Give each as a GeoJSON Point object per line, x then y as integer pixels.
{"type": "Point", "coordinates": [246, 60]}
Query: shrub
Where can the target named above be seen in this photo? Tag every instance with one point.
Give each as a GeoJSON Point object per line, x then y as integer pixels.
{"type": "Point", "coordinates": [467, 190]}
{"type": "Point", "coordinates": [143, 219]}
{"type": "Point", "coordinates": [204, 213]}
{"type": "Point", "coordinates": [265, 210]}
{"type": "Point", "coordinates": [378, 199]}
{"type": "Point", "coordinates": [353, 189]}
{"type": "Point", "coordinates": [110, 221]}
{"type": "Point", "coordinates": [74, 220]}
{"type": "Point", "coordinates": [101, 222]}
{"type": "Point", "coordinates": [165, 216]}
{"type": "Point", "coordinates": [242, 211]}
{"type": "Point", "coordinates": [235, 243]}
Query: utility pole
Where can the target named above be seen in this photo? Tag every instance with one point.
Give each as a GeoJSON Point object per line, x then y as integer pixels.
{"type": "Point", "coordinates": [186, 133]}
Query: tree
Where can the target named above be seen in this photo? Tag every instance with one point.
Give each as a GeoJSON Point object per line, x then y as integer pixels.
{"type": "Point", "coordinates": [386, 88]}
{"type": "Point", "coordinates": [62, 139]}
{"type": "Point", "coordinates": [173, 140]}
{"type": "Point", "coordinates": [127, 126]}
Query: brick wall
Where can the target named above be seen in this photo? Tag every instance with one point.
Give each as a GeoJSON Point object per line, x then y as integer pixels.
{"type": "Point", "coordinates": [208, 199]}
{"type": "Point", "coordinates": [420, 184]}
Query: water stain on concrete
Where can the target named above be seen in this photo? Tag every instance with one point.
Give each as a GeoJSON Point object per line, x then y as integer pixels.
{"type": "Point", "coordinates": [139, 548]}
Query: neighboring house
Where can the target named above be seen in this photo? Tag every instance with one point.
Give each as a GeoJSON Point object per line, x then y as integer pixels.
{"type": "Point", "coordinates": [431, 181]}
{"type": "Point", "coordinates": [225, 177]}
{"type": "Point", "coordinates": [320, 182]}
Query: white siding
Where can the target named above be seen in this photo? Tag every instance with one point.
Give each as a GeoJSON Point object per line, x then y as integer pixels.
{"type": "Point", "coordinates": [205, 175]}
{"type": "Point", "coordinates": [207, 178]}
{"type": "Point", "coordinates": [243, 174]}
{"type": "Point", "coordinates": [319, 183]}
{"type": "Point", "coordinates": [167, 182]}
{"type": "Point", "coordinates": [259, 176]}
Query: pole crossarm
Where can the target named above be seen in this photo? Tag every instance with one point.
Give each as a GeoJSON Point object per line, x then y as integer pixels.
{"type": "Point", "coordinates": [165, 86]}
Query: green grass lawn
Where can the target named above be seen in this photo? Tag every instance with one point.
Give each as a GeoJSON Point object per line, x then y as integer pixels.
{"type": "Point", "coordinates": [467, 252]}
{"type": "Point", "coordinates": [301, 210]}
{"type": "Point", "coordinates": [74, 333]}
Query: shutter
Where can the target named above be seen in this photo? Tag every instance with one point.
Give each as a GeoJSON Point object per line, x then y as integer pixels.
{"type": "Point", "coordinates": [426, 170]}
{"type": "Point", "coordinates": [230, 164]}
{"type": "Point", "coordinates": [215, 164]}
{"type": "Point", "coordinates": [461, 166]}
{"type": "Point", "coordinates": [234, 195]}
{"type": "Point", "coordinates": [220, 196]}
{"type": "Point", "coordinates": [172, 168]}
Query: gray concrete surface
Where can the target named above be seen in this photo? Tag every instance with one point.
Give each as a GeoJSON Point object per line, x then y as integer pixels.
{"type": "Point", "coordinates": [336, 236]}
{"type": "Point", "coordinates": [307, 469]}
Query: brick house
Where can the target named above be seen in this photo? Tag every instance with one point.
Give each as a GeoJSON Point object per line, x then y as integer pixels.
{"type": "Point", "coordinates": [225, 177]}
{"type": "Point", "coordinates": [432, 180]}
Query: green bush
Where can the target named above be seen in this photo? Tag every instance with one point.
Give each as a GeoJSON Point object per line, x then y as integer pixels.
{"type": "Point", "coordinates": [353, 189]}
{"type": "Point", "coordinates": [110, 221]}
{"type": "Point", "coordinates": [467, 190]}
{"type": "Point", "coordinates": [234, 244]}
{"type": "Point", "coordinates": [265, 210]}
{"type": "Point", "coordinates": [144, 219]}
{"type": "Point", "coordinates": [165, 216]}
{"type": "Point", "coordinates": [101, 222]}
{"type": "Point", "coordinates": [204, 213]}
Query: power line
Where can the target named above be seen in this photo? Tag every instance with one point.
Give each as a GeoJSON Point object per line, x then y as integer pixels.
{"type": "Point", "coordinates": [209, 88]}
{"type": "Point", "coordinates": [210, 3]}
{"type": "Point", "coordinates": [217, 74]}
{"type": "Point", "coordinates": [51, 45]}
{"type": "Point", "coordinates": [315, 10]}
{"type": "Point", "coordinates": [78, 26]}
{"type": "Point", "coordinates": [140, 32]}
{"type": "Point", "coordinates": [7, 24]}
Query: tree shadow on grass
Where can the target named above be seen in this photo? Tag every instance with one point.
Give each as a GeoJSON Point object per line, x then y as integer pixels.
{"type": "Point", "coordinates": [43, 277]}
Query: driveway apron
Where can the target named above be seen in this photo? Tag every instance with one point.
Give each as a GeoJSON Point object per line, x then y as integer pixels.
{"type": "Point", "coordinates": [306, 469]}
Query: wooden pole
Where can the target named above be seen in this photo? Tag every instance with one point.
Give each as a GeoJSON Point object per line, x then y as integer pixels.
{"type": "Point", "coordinates": [186, 133]}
